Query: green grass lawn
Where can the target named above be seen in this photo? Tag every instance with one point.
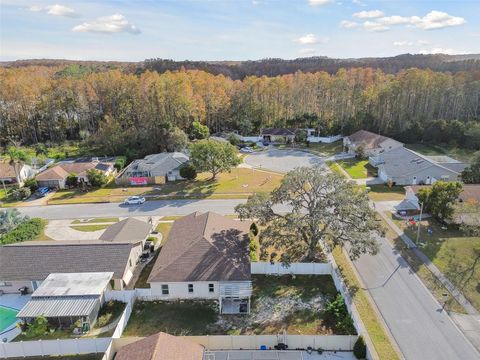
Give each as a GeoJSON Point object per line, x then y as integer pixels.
{"type": "Point", "coordinates": [378, 335]}
{"type": "Point", "coordinates": [145, 273]}
{"type": "Point", "coordinates": [96, 220]}
{"type": "Point", "coordinates": [453, 253]}
{"type": "Point", "coordinates": [385, 193]}
{"type": "Point", "coordinates": [335, 168]}
{"type": "Point", "coordinates": [164, 229]}
{"type": "Point", "coordinates": [324, 149]}
{"type": "Point", "coordinates": [109, 312]}
{"type": "Point", "coordinates": [434, 150]}
{"type": "Point", "coordinates": [89, 228]}
{"type": "Point", "coordinates": [358, 169]}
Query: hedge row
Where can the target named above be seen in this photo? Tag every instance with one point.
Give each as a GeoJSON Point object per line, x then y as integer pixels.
{"type": "Point", "coordinates": [26, 231]}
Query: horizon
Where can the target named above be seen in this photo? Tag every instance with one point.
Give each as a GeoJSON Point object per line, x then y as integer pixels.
{"type": "Point", "coordinates": [226, 30]}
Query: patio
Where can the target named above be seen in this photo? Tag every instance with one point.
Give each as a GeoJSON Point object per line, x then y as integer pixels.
{"type": "Point", "coordinates": [276, 355]}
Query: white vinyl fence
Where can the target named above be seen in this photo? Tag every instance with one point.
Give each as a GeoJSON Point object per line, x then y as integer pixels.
{"type": "Point", "coordinates": [54, 347]}
{"type": "Point", "coordinates": [324, 139]}
{"type": "Point", "coordinates": [294, 268]}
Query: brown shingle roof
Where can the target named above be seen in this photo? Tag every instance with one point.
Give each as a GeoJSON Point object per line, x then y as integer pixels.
{"type": "Point", "coordinates": [7, 170]}
{"type": "Point", "coordinates": [161, 346]}
{"type": "Point", "coordinates": [367, 139]}
{"type": "Point", "coordinates": [278, 131]}
{"type": "Point", "coordinates": [35, 260]}
{"type": "Point", "coordinates": [204, 247]}
{"type": "Point", "coordinates": [61, 171]}
{"type": "Point", "coordinates": [469, 194]}
{"type": "Point", "coordinates": [129, 230]}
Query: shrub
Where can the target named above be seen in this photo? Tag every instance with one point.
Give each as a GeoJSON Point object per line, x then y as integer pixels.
{"type": "Point", "coordinates": [20, 194]}
{"type": "Point", "coordinates": [360, 349]}
{"type": "Point", "coordinates": [198, 131]}
{"type": "Point", "coordinates": [71, 180]}
{"type": "Point", "coordinates": [120, 163]}
{"type": "Point", "coordinates": [110, 311]}
{"type": "Point", "coordinates": [254, 229]}
{"type": "Point", "coordinates": [253, 247]}
{"type": "Point", "coordinates": [31, 184]}
{"type": "Point", "coordinates": [234, 139]}
{"type": "Point", "coordinates": [28, 230]}
{"type": "Point", "coordinates": [96, 178]}
{"type": "Point", "coordinates": [337, 315]}
{"type": "Point", "coordinates": [187, 171]}
{"type": "Point", "coordinates": [37, 328]}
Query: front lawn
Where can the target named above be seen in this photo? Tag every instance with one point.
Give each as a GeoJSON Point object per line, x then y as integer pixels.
{"type": "Point", "coordinates": [385, 193]}
{"type": "Point", "coordinates": [358, 169]}
{"type": "Point", "coordinates": [456, 255]}
{"type": "Point", "coordinates": [280, 303]}
{"type": "Point", "coordinates": [335, 168]}
{"type": "Point", "coordinates": [89, 228]}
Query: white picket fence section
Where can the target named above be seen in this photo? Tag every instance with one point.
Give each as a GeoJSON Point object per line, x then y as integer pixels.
{"type": "Point", "coordinates": [324, 139]}
{"type": "Point", "coordinates": [294, 268]}
{"type": "Point", "coordinates": [54, 347]}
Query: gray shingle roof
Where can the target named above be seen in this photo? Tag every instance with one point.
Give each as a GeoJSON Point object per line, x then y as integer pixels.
{"type": "Point", "coordinates": [204, 247]}
{"type": "Point", "coordinates": [157, 164]}
{"type": "Point", "coordinates": [129, 230]}
{"type": "Point", "coordinates": [403, 162]}
{"type": "Point", "coordinates": [36, 260]}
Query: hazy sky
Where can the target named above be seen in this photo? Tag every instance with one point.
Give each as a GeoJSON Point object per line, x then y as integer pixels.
{"type": "Point", "coordinates": [235, 29]}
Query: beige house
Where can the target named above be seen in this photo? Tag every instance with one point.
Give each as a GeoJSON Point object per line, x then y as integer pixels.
{"type": "Point", "coordinates": [278, 135]}
{"type": "Point", "coordinates": [28, 264]}
{"type": "Point", "coordinates": [371, 143]}
{"type": "Point", "coordinates": [205, 257]}
{"type": "Point", "coordinates": [9, 176]}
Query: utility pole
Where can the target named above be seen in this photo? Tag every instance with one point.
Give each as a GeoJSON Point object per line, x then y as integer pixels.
{"type": "Point", "coordinates": [419, 223]}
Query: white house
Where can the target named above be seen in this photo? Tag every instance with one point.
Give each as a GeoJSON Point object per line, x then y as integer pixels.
{"type": "Point", "coordinates": [205, 257]}
{"type": "Point", "coordinates": [371, 143]}
{"type": "Point", "coordinates": [9, 176]}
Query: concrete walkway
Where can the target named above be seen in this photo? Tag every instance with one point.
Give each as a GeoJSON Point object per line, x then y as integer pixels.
{"type": "Point", "coordinates": [456, 293]}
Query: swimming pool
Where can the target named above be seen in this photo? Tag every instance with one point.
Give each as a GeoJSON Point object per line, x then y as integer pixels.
{"type": "Point", "coordinates": [8, 317]}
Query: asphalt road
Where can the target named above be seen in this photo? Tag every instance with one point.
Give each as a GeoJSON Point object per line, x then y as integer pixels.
{"type": "Point", "coordinates": [421, 329]}
{"type": "Point", "coordinates": [282, 161]}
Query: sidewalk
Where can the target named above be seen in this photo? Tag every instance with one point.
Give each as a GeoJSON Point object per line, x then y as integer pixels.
{"type": "Point", "coordinates": [469, 308]}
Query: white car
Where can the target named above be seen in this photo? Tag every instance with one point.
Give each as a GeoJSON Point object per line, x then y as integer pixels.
{"type": "Point", "coordinates": [246, 150]}
{"type": "Point", "coordinates": [134, 200]}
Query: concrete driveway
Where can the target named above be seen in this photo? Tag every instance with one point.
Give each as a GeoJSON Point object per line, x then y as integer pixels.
{"type": "Point", "coordinates": [282, 161]}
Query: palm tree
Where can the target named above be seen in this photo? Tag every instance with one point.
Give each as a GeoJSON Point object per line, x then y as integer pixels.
{"type": "Point", "coordinates": [17, 157]}
{"type": "Point", "coordinates": [10, 219]}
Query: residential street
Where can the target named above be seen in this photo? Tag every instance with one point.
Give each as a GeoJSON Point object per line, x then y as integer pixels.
{"type": "Point", "coordinates": [415, 319]}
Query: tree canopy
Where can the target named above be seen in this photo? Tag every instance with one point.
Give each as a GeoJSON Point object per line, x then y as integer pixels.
{"type": "Point", "coordinates": [471, 174]}
{"type": "Point", "coordinates": [213, 156]}
{"type": "Point", "coordinates": [440, 199]}
{"type": "Point", "coordinates": [326, 211]}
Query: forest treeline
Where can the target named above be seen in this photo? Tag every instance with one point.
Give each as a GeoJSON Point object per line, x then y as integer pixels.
{"type": "Point", "coordinates": [120, 112]}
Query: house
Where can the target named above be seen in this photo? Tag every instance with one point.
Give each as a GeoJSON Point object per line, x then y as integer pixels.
{"type": "Point", "coordinates": [371, 143]}
{"type": "Point", "coordinates": [27, 264]}
{"type": "Point", "coordinates": [403, 166]}
{"type": "Point", "coordinates": [56, 176]}
{"type": "Point", "coordinates": [161, 346]}
{"type": "Point", "coordinates": [65, 298]}
{"type": "Point", "coordinates": [155, 168]}
{"type": "Point", "coordinates": [205, 257]}
{"type": "Point", "coordinates": [129, 230]}
{"type": "Point", "coordinates": [278, 134]}
{"type": "Point", "coordinates": [8, 175]}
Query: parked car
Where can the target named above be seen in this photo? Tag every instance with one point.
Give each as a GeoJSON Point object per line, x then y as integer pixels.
{"type": "Point", "coordinates": [134, 200]}
{"type": "Point", "coordinates": [246, 150]}
{"type": "Point", "coordinates": [42, 192]}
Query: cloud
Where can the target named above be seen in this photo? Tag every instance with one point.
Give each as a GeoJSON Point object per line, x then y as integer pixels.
{"type": "Point", "coordinates": [319, 2]}
{"type": "Point", "coordinates": [307, 39]}
{"type": "Point", "coordinates": [368, 14]}
{"type": "Point", "coordinates": [433, 20]}
{"type": "Point", "coordinates": [358, 2]}
{"type": "Point", "coordinates": [410, 43]}
{"type": "Point", "coordinates": [115, 23]}
{"type": "Point", "coordinates": [57, 10]}
{"type": "Point", "coordinates": [346, 24]}
{"type": "Point", "coordinates": [439, 50]}
{"type": "Point", "coordinates": [375, 26]}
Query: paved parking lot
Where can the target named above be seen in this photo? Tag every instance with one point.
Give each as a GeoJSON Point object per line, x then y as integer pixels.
{"type": "Point", "coordinates": [282, 161]}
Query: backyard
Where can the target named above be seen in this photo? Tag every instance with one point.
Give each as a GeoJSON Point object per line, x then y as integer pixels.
{"type": "Point", "coordinates": [385, 193]}
{"type": "Point", "coordinates": [456, 255]}
{"type": "Point", "coordinates": [358, 169]}
{"type": "Point", "coordinates": [280, 303]}
{"type": "Point", "coordinates": [461, 154]}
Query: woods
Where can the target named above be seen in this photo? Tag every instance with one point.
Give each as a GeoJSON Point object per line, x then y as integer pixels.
{"type": "Point", "coordinates": [122, 112]}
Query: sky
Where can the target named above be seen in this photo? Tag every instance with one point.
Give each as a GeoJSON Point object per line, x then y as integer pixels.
{"type": "Point", "coordinates": [134, 30]}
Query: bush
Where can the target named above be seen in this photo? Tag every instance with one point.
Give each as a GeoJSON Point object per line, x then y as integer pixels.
{"type": "Point", "coordinates": [187, 171]}
{"type": "Point", "coordinates": [360, 349]}
{"type": "Point", "coordinates": [31, 184]}
{"type": "Point", "coordinates": [20, 194]}
{"type": "Point", "coordinates": [96, 178]}
{"type": "Point", "coordinates": [234, 139]}
{"type": "Point", "coordinates": [37, 328]}
{"type": "Point", "coordinates": [198, 131]}
{"type": "Point", "coordinates": [29, 230]}
{"type": "Point", "coordinates": [337, 315]}
{"type": "Point", "coordinates": [71, 180]}
{"type": "Point", "coordinates": [109, 311]}
{"type": "Point", "coordinates": [120, 163]}
{"type": "Point", "coordinates": [253, 247]}
{"type": "Point", "coordinates": [254, 229]}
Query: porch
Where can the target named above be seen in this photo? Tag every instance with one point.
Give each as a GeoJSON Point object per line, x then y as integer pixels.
{"type": "Point", "coordinates": [235, 297]}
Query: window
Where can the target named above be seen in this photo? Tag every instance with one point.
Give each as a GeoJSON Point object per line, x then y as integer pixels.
{"type": "Point", "coordinates": [165, 290]}
{"type": "Point", "coordinates": [190, 288]}
{"type": "Point", "coordinates": [211, 288]}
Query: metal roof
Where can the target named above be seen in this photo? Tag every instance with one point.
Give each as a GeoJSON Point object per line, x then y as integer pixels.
{"type": "Point", "coordinates": [59, 306]}
{"type": "Point", "coordinates": [74, 284]}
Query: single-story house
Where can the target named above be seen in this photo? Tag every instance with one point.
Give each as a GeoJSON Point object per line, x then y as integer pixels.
{"type": "Point", "coordinates": [161, 346]}
{"type": "Point", "coordinates": [371, 143]}
{"type": "Point", "coordinates": [64, 298]}
{"type": "Point", "coordinates": [8, 175]}
{"type": "Point", "coordinates": [205, 257]}
{"type": "Point", "coordinates": [29, 263]}
{"type": "Point", "coordinates": [129, 230]}
{"type": "Point", "coordinates": [278, 134]}
{"type": "Point", "coordinates": [56, 176]}
{"type": "Point", "coordinates": [403, 166]}
{"type": "Point", "coordinates": [155, 168]}
{"type": "Point", "coordinates": [470, 196]}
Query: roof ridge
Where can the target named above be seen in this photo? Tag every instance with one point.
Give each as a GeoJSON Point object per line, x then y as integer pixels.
{"type": "Point", "coordinates": [433, 162]}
